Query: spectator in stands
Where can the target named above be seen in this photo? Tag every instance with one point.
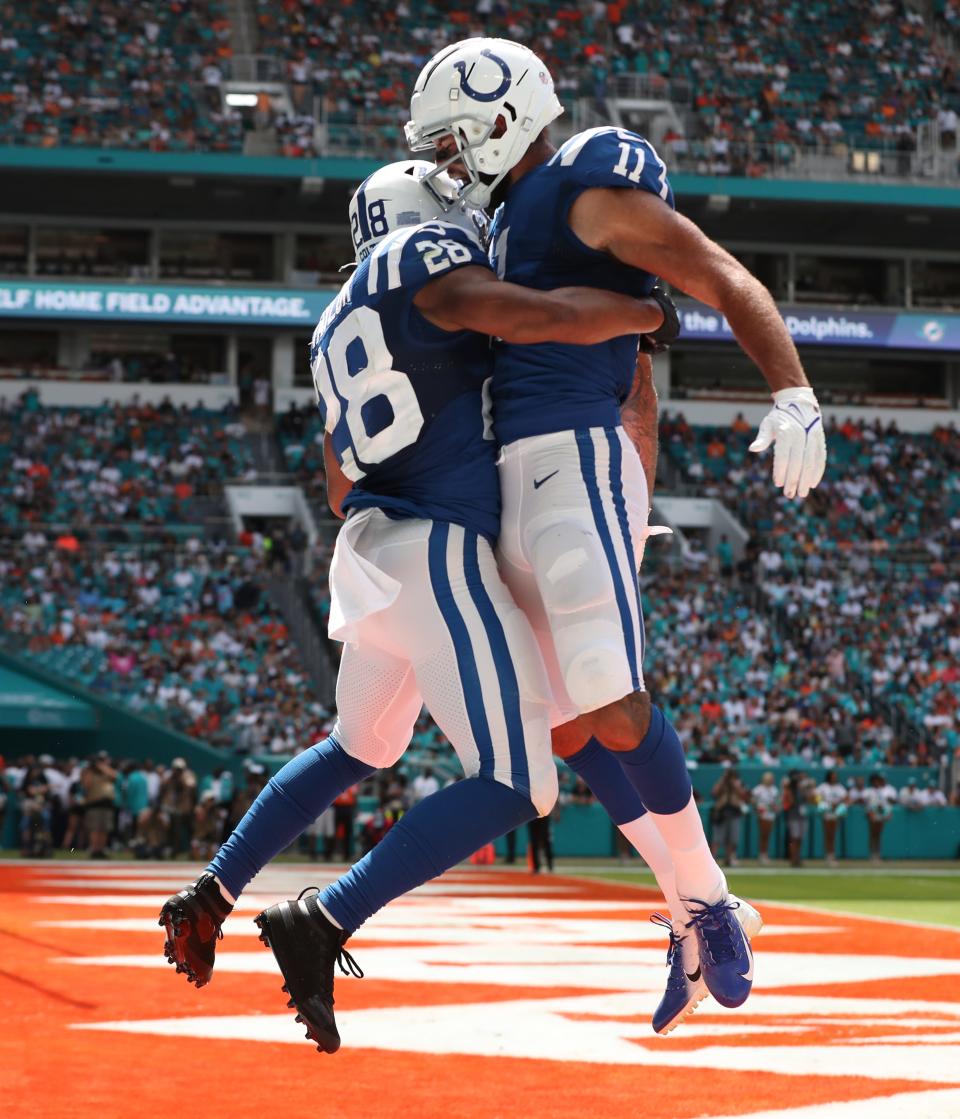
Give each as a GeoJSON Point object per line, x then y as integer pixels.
{"type": "Point", "coordinates": [255, 777]}
{"type": "Point", "coordinates": [581, 793]}
{"type": "Point", "coordinates": [540, 844]}
{"type": "Point", "coordinates": [75, 834]}
{"type": "Point", "coordinates": [832, 805]}
{"type": "Point", "coordinates": [98, 781]}
{"type": "Point", "coordinates": [911, 797]}
{"type": "Point", "coordinates": [857, 793]}
{"type": "Point", "coordinates": [424, 784]}
{"type": "Point", "coordinates": [725, 557]}
{"type": "Point", "coordinates": [177, 800]}
{"type": "Point", "coordinates": [729, 802]}
{"type": "Point", "coordinates": [933, 796]}
{"type": "Point", "coordinates": [766, 799]}
{"type": "Point", "coordinates": [795, 814]}
{"type": "Point", "coordinates": [34, 797]}
{"type": "Point", "coordinates": [879, 810]}
{"type": "Point", "coordinates": [344, 819]}
{"type": "Point", "coordinates": [58, 776]}
{"type": "Point", "coordinates": [207, 827]}
{"type": "Point", "coordinates": [152, 834]}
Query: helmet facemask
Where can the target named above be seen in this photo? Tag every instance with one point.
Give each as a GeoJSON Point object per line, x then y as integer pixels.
{"type": "Point", "coordinates": [476, 191]}
{"type": "Point", "coordinates": [492, 98]}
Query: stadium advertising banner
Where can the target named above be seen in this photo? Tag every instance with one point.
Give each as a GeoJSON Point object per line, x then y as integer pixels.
{"type": "Point", "coordinates": [808, 326]}
{"type": "Point", "coordinates": [302, 308]}
{"type": "Point", "coordinates": [134, 303]}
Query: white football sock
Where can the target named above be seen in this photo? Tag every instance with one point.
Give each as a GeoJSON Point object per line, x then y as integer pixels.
{"type": "Point", "coordinates": [642, 834]}
{"type": "Point", "coordinates": [696, 871]}
{"type": "Point", "coordinates": [227, 896]}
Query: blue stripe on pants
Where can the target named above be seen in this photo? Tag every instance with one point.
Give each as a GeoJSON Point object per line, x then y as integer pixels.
{"type": "Point", "coordinates": [466, 661]}
{"type": "Point", "coordinates": [620, 504]}
{"type": "Point", "coordinates": [506, 673]}
{"type": "Point", "coordinates": [588, 469]}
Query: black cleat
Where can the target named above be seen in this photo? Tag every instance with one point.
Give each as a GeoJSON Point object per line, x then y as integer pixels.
{"type": "Point", "coordinates": [192, 919]}
{"type": "Point", "coordinates": [306, 947]}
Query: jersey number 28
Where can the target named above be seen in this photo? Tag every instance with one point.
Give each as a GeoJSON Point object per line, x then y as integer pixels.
{"type": "Point", "coordinates": [371, 408]}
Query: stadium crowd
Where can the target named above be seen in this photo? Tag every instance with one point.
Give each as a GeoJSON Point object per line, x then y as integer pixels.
{"type": "Point", "coordinates": [757, 82]}
{"type": "Point", "coordinates": [105, 805]}
{"type": "Point", "coordinates": [135, 464]}
{"type": "Point", "coordinates": [834, 639]}
{"type": "Point", "coordinates": [860, 582]}
{"type": "Point", "coordinates": [798, 798]}
{"type": "Point", "coordinates": [108, 805]}
{"type": "Point", "coordinates": [116, 75]}
{"type": "Point", "coordinates": [185, 634]}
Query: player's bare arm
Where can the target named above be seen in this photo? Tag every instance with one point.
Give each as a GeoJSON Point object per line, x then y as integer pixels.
{"type": "Point", "coordinates": [338, 484]}
{"type": "Point", "coordinates": [639, 418]}
{"type": "Point", "coordinates": [640, 229]}
{"type": "Point", "coordinates": [472, 298]}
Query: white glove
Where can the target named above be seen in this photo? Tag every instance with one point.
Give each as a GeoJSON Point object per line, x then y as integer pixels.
{"type": "Point", "coordinates": [795, 427]}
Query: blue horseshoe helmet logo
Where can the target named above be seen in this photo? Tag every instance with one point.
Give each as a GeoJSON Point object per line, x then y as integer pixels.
{"type": "Point", "coordinates": [477, 96]}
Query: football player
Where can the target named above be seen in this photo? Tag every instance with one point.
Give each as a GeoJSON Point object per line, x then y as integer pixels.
{"type": "Point", "coordinates": [400, 361]}
{"type": "Point", "coordinates": [599, 211]}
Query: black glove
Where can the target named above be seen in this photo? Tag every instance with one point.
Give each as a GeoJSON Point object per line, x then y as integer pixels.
{"type": "Point", "coordinates": [669, 329]}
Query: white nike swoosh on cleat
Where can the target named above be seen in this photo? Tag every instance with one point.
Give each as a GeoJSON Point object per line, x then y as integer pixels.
{"type": "Point", "coordinates": [748, 975]}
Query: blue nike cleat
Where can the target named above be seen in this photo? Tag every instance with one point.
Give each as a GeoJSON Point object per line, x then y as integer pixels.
{"type": "Point", "coordinates": [686, 988]}
{"type": "Point", "coordinates": [726, 958]}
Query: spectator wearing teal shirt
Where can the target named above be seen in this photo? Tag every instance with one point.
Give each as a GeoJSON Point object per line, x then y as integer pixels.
{"type": "Point", "coordinates": [136, 795]}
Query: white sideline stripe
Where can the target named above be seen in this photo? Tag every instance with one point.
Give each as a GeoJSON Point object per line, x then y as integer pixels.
{"type": "Point", "coordinates": [503, 962]}
{"type": "Point", "coordinates": [453, 930]}
{"type": "Point", "coordinates": [543, 1029]}
{"type": "Point", "coordinates": [463, 930]}
{"type": "Point", "coordinates": [913, 1105]}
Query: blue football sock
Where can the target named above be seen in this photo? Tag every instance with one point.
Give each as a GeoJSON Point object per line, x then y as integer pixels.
{"type": "Point", "coordinates": [435, 835]}
{"type": "Point", "coordinates": [601, 771]}
{"type": "Point", "coordinates": [657, 768]}
{"type": "Point", "coordinates": [293, 798]}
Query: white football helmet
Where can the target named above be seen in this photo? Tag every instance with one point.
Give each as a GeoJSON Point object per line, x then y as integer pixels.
{"type": "Point", "coordinates": [394, 197]}
{"type": "Point", "coordinates": [462, 91]}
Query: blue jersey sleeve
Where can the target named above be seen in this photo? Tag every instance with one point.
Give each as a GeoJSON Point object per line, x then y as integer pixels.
{"type": "Point", "coordinates": [614, 157]}
{"type": "Point", "coordinates": [434, 249]}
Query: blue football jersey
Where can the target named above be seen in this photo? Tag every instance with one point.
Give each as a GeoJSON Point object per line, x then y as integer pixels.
{"type": "Point", "coordinates": [551, 386]}
{"type": "Point", "coordinates": [403, 399]}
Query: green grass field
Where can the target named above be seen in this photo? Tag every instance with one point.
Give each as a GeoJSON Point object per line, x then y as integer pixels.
{"type": "Point", "coordinates": [929, 893]}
